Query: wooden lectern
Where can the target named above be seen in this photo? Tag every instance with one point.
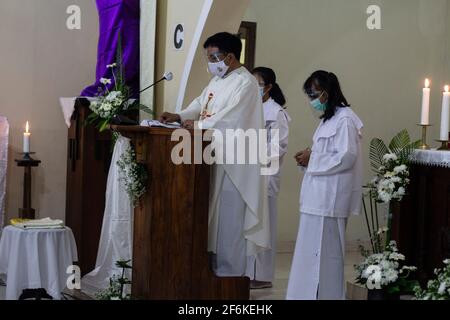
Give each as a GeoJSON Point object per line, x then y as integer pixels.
{"type": "Point", "coordinates": [170, 258]}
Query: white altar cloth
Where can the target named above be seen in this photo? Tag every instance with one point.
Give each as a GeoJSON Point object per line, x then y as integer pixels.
{"type": "Point", "coordinates": [434, 158]}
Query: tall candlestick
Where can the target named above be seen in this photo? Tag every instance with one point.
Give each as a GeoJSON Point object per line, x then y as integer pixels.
{"type": "Point", "coordinates": [445, 115]}
{"type": "Point", "coordinates": [26, 139]}
{"type": "Point", "coordinates": [425, 119]}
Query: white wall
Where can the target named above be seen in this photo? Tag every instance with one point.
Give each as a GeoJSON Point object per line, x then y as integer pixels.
{"type": "Point", "coordinates": [40, 61]}
{"type": "Point", "coordinates": [381, 72]}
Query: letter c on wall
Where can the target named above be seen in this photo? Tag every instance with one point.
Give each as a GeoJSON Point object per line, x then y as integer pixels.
{"type": "Point", "coordinates": [178, 37]}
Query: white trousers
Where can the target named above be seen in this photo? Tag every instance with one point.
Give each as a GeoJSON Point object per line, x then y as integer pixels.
{"type": "Point", "coordinates": [317, 271]}
{"type": "Point", "coordinates": [261, 267]}
{"type": "Point", "coordinates": [231, 254]}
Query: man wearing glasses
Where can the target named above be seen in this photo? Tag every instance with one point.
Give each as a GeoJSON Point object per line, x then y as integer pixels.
{"type": "Point", "coordinates": [238, 216]}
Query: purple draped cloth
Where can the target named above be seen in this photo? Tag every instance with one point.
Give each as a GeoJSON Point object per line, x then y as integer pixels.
{"type": "Point", "coordinates": [117, 17]}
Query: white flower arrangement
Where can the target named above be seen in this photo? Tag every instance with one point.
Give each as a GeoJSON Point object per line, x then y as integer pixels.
{"type": "Point", "coordinates": [385, 270]}
{"type": "Point", "coordinates": [133, 175]}
{"type": "Point", "coordinates": [114, 97]}
{"type": "Point", "coordinates": [391, 165]}
{"type": "Point", "coordinates": [392, 179]}
{"type": "Point", "coordinates": [439, 288]}
{"type": "Point", "coordinates": [110, 103]}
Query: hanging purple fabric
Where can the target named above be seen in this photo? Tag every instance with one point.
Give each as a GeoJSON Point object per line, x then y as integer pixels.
{"type": "Point", "coordinates": [117, 17]}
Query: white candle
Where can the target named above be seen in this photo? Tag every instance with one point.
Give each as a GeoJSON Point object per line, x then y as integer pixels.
{"type": "Point", "coordinates": [26, 139]}
{"type": "Point", "coordinates": [445, 115]}
{"type": "Point", "coordinates": [425, 119]}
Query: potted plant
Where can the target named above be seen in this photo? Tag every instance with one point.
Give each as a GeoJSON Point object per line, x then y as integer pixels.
{"type": "Point", "coordinates": [117, 289]}
{"type": "Point", "coordinates": [385, 275]}
{"type": "Point", "coordinates": [383, 271]}
{"type": "Point", "coordinates": [439, 288]}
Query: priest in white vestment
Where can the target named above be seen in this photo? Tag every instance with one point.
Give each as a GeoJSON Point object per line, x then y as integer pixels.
{"type": "Point", "coordinates": [238, 213]}
{"type": "Point", "coordinates": [331, 193]}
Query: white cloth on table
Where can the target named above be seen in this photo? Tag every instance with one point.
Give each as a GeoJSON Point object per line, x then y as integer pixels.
{"type": "Point", "coordinates": [4, 141]}
{"type": "Point", "coordinates": [434, 158]}
{"type": "Point", "coordinates": [34, 259]}
{"type": "Point", "coordinates": [116, 240]}
{"type": "Point", "coordinates": [317, 271]}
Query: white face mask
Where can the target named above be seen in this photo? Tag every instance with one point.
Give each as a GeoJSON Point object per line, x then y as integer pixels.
{"type": "Point", "coordinates": [218, 68]}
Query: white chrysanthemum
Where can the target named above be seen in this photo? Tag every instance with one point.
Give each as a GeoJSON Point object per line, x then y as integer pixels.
{"type": "Point", "coordinates": [389, 157]}
{"type": "Point", "coordinates": [114, 96]}
{"type": "Point", "coordinates": [442, 288]}
{"type": "Point", "coordinates": [391, 275]}
{"type": "Point", "coordinates": [447, 261]}
{"type": "Point", "coordinates": [385, 197]}
{"type": "Point", "coordinates": [396, 256]}
{"type": "Point", "coordinates": [400, 169]}
{"type": "Point", "coordinates": [389, 174]}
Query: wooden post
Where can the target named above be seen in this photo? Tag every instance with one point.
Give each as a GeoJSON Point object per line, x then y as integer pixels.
{"type": "Point", "coordinates": [27, 212]}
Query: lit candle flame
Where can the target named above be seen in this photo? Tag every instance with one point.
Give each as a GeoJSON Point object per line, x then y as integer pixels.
{"type": "Point", "coordinates": [27, 128]}
{"type": "Point", "coordinates": [447, 89]}
{"type": "Point", "coordinates": [427, 83]}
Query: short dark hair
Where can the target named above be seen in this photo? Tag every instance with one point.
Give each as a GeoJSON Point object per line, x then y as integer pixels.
{"type": "Point", "coordinates": [226, 42]}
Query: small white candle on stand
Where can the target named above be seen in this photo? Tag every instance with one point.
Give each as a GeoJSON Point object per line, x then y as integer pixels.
{"type": "Point", "coordinates": [425, 118]}
{"type": "Point", "coordinates": [445, 115]}
{"type": "Point", "coordinates": [26, 139]}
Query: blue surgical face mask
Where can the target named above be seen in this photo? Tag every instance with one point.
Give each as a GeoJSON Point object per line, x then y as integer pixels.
{"type": "Point", "coordinates": [317, 105]}
{"type": "Point", "coordinates": [262, 92]}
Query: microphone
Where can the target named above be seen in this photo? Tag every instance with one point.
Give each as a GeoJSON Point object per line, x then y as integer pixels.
{"type": "Point", "coordinates": [167, 76]}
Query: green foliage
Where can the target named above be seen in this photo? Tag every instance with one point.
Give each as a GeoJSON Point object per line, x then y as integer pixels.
{"type": "Point", "coordinates": [116, 289]}
{"type": "Point", "coordinates": [400, 145]}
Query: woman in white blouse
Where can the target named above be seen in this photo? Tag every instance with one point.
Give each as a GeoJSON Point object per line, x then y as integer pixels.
{"type": "Point", "coordinates": [261, 268]}
{"type": "Point", "coordinates": [331, 192]}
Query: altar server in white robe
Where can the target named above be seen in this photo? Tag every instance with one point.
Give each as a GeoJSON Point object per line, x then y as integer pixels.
{"type": "Point", "coordinates": [261, 267]}
{"type": "Point", "coordinates": [330, 194]}
{"type": "Point", "coordinates": [238, 213]}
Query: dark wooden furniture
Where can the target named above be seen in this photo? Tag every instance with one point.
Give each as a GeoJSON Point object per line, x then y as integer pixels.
{"type": "Point", "coordinates": [88, 160]}
{"type": "Point", "coordinates": [421, 222]}
{"type": "Point", "coordinates": [27, 212]}
{"type": "Point", "coordinates": [170, 258]}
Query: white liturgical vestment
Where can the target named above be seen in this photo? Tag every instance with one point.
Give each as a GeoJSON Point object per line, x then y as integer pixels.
{"type": "Point", "coordinates": [233, 102]}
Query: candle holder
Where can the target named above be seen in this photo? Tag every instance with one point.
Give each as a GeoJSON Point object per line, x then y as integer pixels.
{"type": "Point", "coordinates": [27, 162]}
{"type": "Point", "coordinates": [444, 145]}
{"type": "Point", "coordinates": [424, 145]}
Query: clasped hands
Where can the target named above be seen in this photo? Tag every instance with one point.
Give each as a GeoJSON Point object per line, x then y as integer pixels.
{"type": "Point", "coordinates": [303, 157]}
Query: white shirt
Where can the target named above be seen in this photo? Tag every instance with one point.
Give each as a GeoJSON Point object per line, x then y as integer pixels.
{"type": "Point", "coordinates": [276, 118]}
{"type": "Point", "coordinates": [332, 185]}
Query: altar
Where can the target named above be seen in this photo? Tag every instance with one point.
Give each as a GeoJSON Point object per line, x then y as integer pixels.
{"type": "Point", "coordinates": [421, 222]}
